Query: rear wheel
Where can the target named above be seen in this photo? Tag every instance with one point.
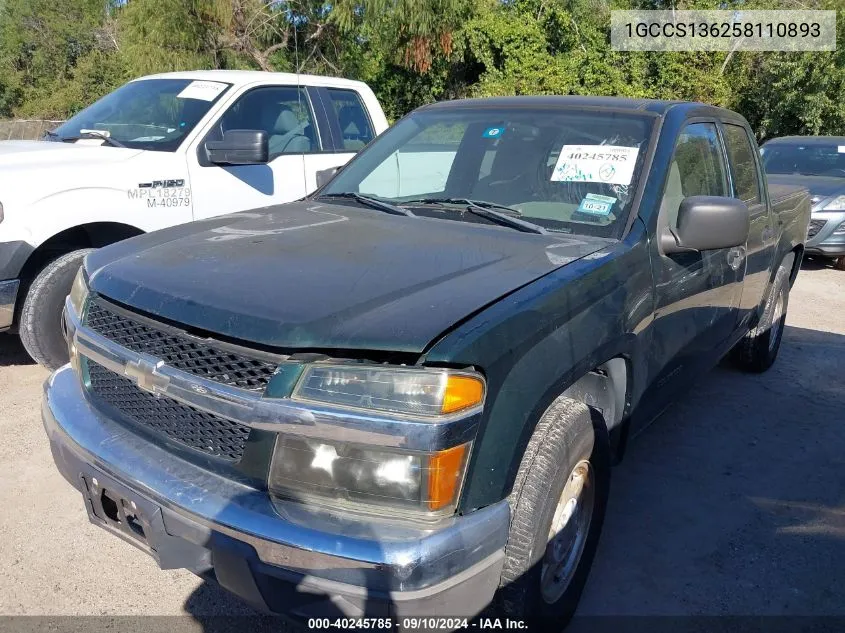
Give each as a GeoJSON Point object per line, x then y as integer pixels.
{"type": "Point", "coordinates": [558, 506]}
{"type": "Point", "coordinates": [40, 325]}
{"type": "Point", "coordinates": [757, 351]}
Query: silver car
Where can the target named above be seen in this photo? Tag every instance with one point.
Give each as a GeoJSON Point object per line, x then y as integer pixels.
{"type": "Point", "coordinates": [817, 163]}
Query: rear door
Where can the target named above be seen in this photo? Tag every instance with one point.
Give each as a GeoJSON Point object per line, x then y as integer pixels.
{"type": "Point", "coordinates": [748, 187]}
{"type": "Point", "coordinates": [345, 127]}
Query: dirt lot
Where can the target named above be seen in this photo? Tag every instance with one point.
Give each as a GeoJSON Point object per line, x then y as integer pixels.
{"type": "Point", "coordinates": [732, 503]}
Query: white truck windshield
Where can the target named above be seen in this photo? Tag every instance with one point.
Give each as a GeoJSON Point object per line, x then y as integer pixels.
{"type": "Point", "coordinates": [149, 114]}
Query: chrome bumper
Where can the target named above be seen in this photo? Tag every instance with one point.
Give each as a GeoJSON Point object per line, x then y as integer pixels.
{"type": "Point", "coordinates": [452, 569]}
{"type": "Point", "coordinates": [8, 295]}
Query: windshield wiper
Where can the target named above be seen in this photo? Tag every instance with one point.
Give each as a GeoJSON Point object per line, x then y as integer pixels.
{"type": "Point", "coordinates": [484, 204]}
{"type": "Point", "coordinates": [373, 203]}
{"type": "Point", "coordinates": [88, 134]}
{"type": "Point", "coordinates": [487, 210]}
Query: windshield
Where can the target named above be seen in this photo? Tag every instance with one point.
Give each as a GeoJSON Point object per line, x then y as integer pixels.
{"type": "Point", "coordinates": [151, 114]}
{"type": "Point", "coordinates": [811, 159]}
{"type": "Point", "coordinates": [574, 171]}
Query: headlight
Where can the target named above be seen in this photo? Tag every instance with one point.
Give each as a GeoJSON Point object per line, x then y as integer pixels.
{"type": "Point", "coordinates": [374, 478]}
{"type": "Point", "coordinates": [839, 230]}
{"type": "Point", "coordinates": [411, 391]}
{"type": "Point", "coordinates": [837, 204]}
{"type": "Point", "coordinates": [347, 475]}
{"type": "Point", "coordinates": [79, 292]}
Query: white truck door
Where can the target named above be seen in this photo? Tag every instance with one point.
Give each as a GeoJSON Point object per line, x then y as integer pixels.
{"type": "Point", "coordinates": [287, 116]}
{"type": "Point", "coordinates": [345, 128]}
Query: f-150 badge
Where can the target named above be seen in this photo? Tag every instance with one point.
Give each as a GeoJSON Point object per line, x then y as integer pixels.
{"type": "Point", "coordinates": [162, 193]}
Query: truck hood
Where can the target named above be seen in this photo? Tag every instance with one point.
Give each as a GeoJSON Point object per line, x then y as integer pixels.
{"type": "Point", "coordinates": [822, 188]}
{"type": "Point", "coordinates": [45, 154]}
{"type": "Point", "coordinates": [317, 276]}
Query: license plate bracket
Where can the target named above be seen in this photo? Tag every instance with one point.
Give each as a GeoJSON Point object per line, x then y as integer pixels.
{"type": "Point", "coordinates": [139, 521]}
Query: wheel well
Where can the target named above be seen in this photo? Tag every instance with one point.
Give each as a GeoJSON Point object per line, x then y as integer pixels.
{"type": "Point", "coordinates": [796, 263]}
{"type": "Point", "coordinates": [94, 235]}
{"type": "Point", "coordinates": [604, 388]}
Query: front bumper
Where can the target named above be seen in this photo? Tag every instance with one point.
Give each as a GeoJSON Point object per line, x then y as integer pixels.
{"type": "Point", "coordinates": [824, 242]}
{"type": "Point", "coordinates": [287, 559]}
{"type": "Point", "coordinates": [8, 295]}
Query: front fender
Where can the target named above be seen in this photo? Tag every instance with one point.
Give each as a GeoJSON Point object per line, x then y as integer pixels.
{"type": "Point", "coordinates": [538, 341]}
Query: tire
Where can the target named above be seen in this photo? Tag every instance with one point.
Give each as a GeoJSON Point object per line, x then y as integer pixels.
{"type": "Point", "coordinates": [839, 264]}
{"type": "Point", "coordinates": [40, 322]}
{"type": "Point", "coordinates": [564, 439]}
{"type": "Point", "coordinates": [758, 349]}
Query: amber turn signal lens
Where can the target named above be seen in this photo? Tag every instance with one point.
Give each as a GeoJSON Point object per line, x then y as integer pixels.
{"type": "Point", "coordinates": [445, 472]}
{"type": "Point", "coordinates": [462, 392]}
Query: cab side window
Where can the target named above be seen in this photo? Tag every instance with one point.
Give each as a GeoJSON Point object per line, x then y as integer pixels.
{"type": "Point", "coordinates": [354, 123]}
{"type": "Point", "coordinates": [741, 154]}
{"type": "Point", "coordinates": [697, 169]}
{"type": "Point", "coordinates": [283, 112]}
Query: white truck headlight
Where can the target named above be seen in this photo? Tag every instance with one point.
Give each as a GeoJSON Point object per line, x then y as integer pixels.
{"type": "Point", "coordinates": [410, 391]}
{"type": "Point", "coordinates": [79, 292]}
{"type": "Point", "coordinates": [381, 480]}
{"type": "Point", "coordinates": [837, 204]}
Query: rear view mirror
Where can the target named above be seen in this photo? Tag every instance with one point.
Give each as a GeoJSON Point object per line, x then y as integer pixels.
{"type": "Point", "coordinates": [707, 223]}
{"type": "Point", "coordinates": [239, 147]}
{"type": "Point", "coordinates": [325, 175]}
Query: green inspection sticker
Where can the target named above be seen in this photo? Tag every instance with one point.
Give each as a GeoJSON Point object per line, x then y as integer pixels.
{"type": "Point", "coordinates": [595, 204]}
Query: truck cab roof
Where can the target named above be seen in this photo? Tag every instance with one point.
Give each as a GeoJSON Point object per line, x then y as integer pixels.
{"type": "Point", "coordinates": [654, 106]}
{"type": "Point", "coordinates": [247, 77]}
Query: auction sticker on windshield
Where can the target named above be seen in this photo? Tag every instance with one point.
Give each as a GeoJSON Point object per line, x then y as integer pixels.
{"type": "Point", "coordinates": [202, 90]}
{"type": "Point", "coordinates": [595, 204]}
{"type": "Point", "coordinates": [611, 164]}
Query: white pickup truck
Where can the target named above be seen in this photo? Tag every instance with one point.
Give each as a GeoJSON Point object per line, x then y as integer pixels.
{"type": "Point", "coordinates": [162, 150]}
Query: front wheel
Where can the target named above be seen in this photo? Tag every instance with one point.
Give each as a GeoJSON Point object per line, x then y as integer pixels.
{"type": "Point", "coordinates": [40, 326]}
{"type": "Point", "coordinates": [557, 511]}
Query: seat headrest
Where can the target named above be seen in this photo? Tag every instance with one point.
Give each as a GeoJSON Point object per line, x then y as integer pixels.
{"type": "Point", "coordinates": [352, 122]}
{"type": "Point", "coordinates": [285, 122]}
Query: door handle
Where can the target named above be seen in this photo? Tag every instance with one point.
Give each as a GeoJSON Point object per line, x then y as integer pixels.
{"type": "Point", "coordinates": [736, 256]}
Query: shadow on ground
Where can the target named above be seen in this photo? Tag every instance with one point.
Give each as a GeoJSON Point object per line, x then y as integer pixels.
{"type": "Point", "coordinates": [12, 351]}
{"type": "Point", "coordinates": [732, 503]}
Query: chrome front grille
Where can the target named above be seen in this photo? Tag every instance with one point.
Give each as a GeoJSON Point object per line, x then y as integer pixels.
{"type": "Point", "coordinates": [181, 423]}
{"type": "Point", "coordinates": [200, 357]}
{"type": "Point", "coordinates": [815, 227]}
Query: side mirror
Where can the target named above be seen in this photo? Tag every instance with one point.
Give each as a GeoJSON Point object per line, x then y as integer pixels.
{"type": "Point", "coordinates": [707, 223]}
{"type": "Point", "coordinates": [325, 175]}
{"type": "Point", "coordinates": [239, 147]}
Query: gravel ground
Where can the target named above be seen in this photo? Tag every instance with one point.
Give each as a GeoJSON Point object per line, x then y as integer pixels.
{"type": "Point", "coordinates": [731, 503]}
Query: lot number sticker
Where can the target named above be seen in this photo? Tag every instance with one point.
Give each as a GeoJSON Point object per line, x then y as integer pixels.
{"type": "Point", "coordinates": [202, 90]}
{"type": "Point", "coordinates": [611, 164]}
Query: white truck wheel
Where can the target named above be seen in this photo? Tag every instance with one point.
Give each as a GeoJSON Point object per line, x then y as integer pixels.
{"type": "Point", "coordinates": [40, 325]}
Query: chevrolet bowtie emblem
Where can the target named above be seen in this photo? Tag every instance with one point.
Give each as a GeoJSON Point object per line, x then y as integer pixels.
{"type": "Point", "coordinates": [144, 374]}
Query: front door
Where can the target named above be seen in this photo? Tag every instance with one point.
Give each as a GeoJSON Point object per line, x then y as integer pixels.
{"type": "Point", "coordinates": [697, 294]}
{"type": "Point", "coordinates": [286, 114]}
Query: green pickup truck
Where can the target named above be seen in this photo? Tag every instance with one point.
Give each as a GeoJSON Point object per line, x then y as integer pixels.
{"type": "Point", "coordinates": [400, 398]}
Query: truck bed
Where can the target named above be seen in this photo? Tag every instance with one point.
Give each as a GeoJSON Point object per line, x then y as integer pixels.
{"type": "Point", "coordinates": [791, 207]}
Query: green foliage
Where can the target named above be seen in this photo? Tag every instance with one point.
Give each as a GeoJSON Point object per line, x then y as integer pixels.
{"type": "Point", "coordinates": [56, 56]}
